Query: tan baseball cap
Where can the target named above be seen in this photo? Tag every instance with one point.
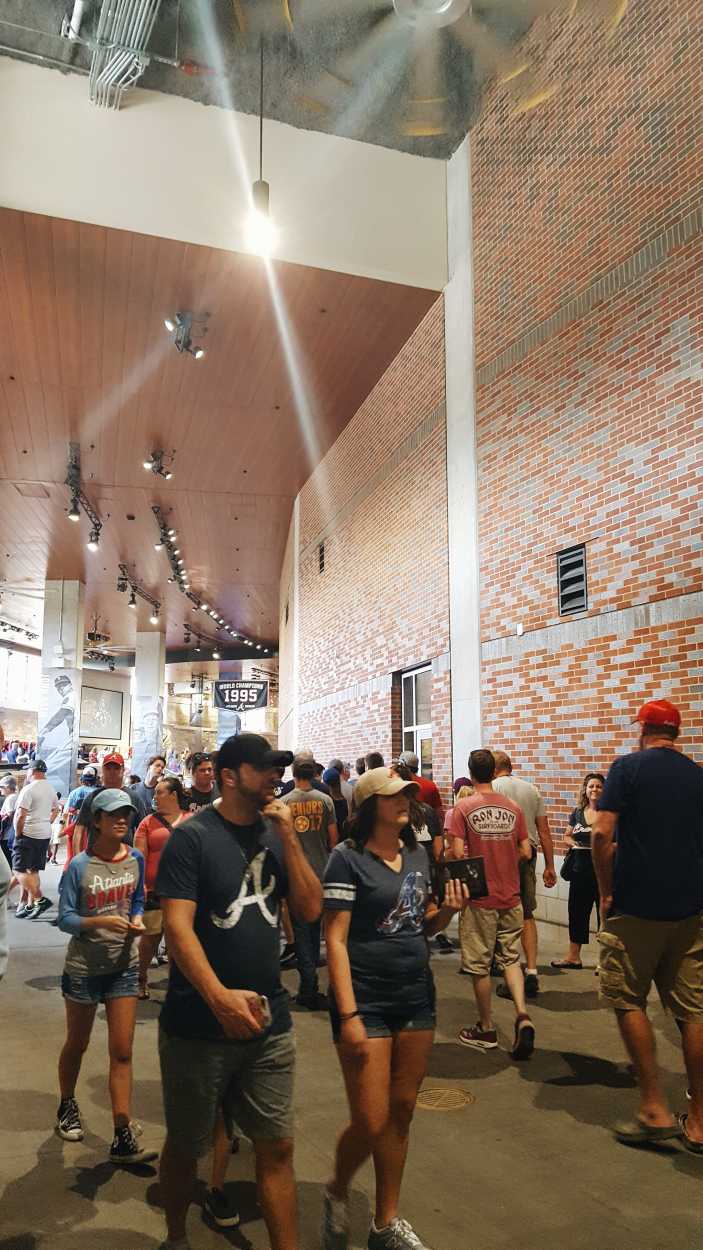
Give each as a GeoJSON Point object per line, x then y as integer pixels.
{"type": "Point", "coordinates": [381, 781]}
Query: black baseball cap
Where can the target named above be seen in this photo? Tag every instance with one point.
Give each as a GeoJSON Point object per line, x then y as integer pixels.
{"type": "Point", "coordinates": [37, 766]}
{"type": "Point", "coordinates": [251, 749]}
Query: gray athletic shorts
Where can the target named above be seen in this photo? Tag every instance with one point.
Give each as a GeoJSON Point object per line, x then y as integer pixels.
{"type": "Point", "coordinates": [251, 1081]}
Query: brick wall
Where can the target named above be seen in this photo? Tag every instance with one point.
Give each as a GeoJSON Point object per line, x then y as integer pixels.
{"type": "Point", "coordinates": [378, 502]}
{"type": "Point", "coordinates": [589, 342]}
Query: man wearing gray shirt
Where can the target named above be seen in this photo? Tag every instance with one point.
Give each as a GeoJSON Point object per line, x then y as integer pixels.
{"type": "Point", "coordinates": [531, 804]}
{"type": "Point", "coordinates": [314, 822]}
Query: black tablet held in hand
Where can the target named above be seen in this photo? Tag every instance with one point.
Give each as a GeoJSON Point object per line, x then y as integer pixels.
{"type": "Point", "coordinates": [473, 872]}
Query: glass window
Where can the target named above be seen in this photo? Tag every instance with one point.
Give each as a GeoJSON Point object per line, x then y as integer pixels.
{"type": "Point", "coordinates": [426, 757]}
{"type": "Point", "coordinates": [409, 699]}
{"type": "Point", "coordinates": [423, 697]}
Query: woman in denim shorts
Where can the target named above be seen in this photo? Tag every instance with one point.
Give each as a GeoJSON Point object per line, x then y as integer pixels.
{"type": "Point", "coordinates": [101, 906]}
{"type": "Point", "coordinates": [379, 912]}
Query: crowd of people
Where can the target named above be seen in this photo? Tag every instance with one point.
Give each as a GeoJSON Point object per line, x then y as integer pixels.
{"type": "Point", "coordinates": [245, 870]}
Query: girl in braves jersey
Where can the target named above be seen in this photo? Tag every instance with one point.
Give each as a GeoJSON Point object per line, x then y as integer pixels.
{"type": "Point", "coordinates": [101, 906]}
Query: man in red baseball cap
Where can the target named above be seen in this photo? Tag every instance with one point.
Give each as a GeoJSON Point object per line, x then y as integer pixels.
{"type": "Point", "coordinates": [651, 886]}
{"type": "Point", "coordinates": [112, 772]}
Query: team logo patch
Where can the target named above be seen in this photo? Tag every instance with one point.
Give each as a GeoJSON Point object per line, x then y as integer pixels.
{"type": "Point", "coordinates": [301, 824]}
{"type": "Point", "coordinates": [409, 911]}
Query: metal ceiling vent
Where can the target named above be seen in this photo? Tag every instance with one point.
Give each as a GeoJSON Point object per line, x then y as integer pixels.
{"type": "Point", "coordinates": [120, 58]}
{"type": "Point", "coordinates": [571, 580]}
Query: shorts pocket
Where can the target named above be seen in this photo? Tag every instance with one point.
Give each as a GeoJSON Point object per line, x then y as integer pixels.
{"type": "Point", "coordinates": [610, 941]}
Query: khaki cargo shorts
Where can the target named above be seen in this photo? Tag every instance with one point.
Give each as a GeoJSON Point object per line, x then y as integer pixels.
{"type": "Point", "coordinates": [485, 932]}
{"type": "Point", "coordinates": [634, 953]}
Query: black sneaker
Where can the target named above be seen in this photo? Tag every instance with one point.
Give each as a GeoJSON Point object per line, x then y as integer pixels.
{"type": "Point", "coordinates": [39, 908]}
{"type": "Point", "coordinates": [313, 1002]}
{"type": "Point", "coordinates": [24, 910]}
{"type": "Point", "coordinates": [221, 1209]}
{"type": "Point", "coordinates": [126, 1150]}
{"type": "Point", "coordinates": [68, 1120]}
{"type": "Point", "coordinates": [444, 945]}
{"type": "Point", "coordinates": [524, 1038]}
{"type": "Point", "coordinates": [288, 956]}
{"type": "Point", "coordinates": [531, 985]}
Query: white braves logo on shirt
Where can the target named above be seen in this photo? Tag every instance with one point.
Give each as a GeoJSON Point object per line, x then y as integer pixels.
{"type": "Point", "coordinates": [250, 891]}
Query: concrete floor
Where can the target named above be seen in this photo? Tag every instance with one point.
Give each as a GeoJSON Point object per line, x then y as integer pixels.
{"type": "Point", "coordinates": [530, 1164]}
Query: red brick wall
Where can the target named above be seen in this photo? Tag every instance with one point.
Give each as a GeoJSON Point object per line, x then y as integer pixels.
{"type": "Point", "coordinates": [566, 191]}
{"type": "Point", "coordinates": [381, 604]}
{"type": "Point", "coordinates": [590, 428]}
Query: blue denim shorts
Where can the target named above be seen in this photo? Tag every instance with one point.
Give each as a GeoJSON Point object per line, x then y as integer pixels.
{"type": "Point", "coordinates": [97, 989]}
{"type": "Point", "coordinates": [382, 1023]}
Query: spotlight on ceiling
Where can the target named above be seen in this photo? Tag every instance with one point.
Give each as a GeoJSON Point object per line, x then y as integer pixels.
{"type": "Point", "coordinates": [215, 655]}
{"type": "Point", "coordinates": [156, 464]}
{"type": "Point", "coordinates": [94, 540]}
{"type": "Point", "coordinates": [183, 325]}
{"type": "Point", "coordinates": [154, 618]}
{"type": "Point", "coordinates": [74, 513]}
{"type": "Point", "coordinates": [197, 646]}
{"type": "Point", "coordinates": [132, 600]}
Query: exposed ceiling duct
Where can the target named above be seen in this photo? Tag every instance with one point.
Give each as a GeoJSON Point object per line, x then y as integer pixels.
{"type": "Point", "coordinates": [120, 59]}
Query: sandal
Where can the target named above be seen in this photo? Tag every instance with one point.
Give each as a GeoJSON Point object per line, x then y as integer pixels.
{"type": "Point", "coordinates": [565, 963]}
{"type": "Point", "coordinates": [143, 994]}
{"type": "Point", "coordinates": [637, 1133]}
{"type": "Point", "coordinates": [694, 1147]}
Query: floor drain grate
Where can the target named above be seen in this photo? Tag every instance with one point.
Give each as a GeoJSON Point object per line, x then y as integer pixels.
{"type": "Point", "coordinates": [436, 1099]}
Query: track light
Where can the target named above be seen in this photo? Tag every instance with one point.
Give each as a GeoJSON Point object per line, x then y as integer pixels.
{"type": "Point", "coordinates": [199, 352]}
{"type": "Point", "coordinates": [181, 324]}
{"type": "Point", "coordinates": [215, 655]}
{"type": "Point", "coordinates": [154, 618]}
{"type": "Point", "coordinates": [197, 646]}
{"type": "Point", "coordinates": [74, 513]}
{"type": "Point", "coordinates": [155, 464]}
{"type": "Point", "coordinates": [132, 600]}
{"type": "Point", "coordinates": [94, 540]}
{"type": "Point", "coordinates": [172, 534]}
{"type": "Point", "coordinates": [203, 607]}
{"type": "Point", "coordinates": [170, 324]}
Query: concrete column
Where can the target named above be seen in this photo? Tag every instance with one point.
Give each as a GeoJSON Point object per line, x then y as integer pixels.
{"type": "Point", "coordinates": [148, 699]}
{"type": "Point", "coordinates": [58, 722]}
{"type": "Point", "coordinates": [462, 486]}
{"type": "Point", "coordinates": [296, 621]}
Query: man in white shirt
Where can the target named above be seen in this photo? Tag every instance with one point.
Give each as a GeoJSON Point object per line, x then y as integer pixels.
{"type": "Point", "coordinates": [37, 808]}
{"type": "Point", "coordinates": [531, 804]}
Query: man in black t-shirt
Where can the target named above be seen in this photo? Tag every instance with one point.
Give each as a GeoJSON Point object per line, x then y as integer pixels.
{"type": "Point", "coordinates": [225, 1037]}
{"type": "Point", "coordinates": [203, 790]}
{"type": "Point", "coordinates": [651, 886]}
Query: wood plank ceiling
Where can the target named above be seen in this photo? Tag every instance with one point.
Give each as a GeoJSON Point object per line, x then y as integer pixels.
{"type": "Point", "coordinates": [85, 357]}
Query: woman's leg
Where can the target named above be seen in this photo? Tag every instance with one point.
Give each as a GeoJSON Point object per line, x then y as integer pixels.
{"type": "Point", "coordinates": [79, 1025]}
{"type": "Point", "coordinates": [578, 918]}
{"type": "Point", "coordinates": [121, 1015]}
{"type": "Point", "coordinates": [411, 1052]}
{"type": "Point", "coordinates": [367, 1077]}
{"type": "Point", "coordinates": [148, 945]}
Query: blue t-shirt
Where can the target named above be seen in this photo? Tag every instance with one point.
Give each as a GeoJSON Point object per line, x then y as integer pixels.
{"type": "Point", "coordinates": [236, 876]}
{"type": "Point", "coordinates": [658, 796]}
{"type": "Point", "coordinates": [387, 947]}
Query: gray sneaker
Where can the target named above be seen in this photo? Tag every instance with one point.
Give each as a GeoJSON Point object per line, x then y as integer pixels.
{"type": "Point", "coordinates": [335, 1223]}
{"type": "Point", "coordinates": [399, 1235]}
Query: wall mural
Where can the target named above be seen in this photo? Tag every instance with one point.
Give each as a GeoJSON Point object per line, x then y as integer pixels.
{"type": "Point", "coordinates": [57, 734]}
{"type": "Point", "coordinates": [147, 732]}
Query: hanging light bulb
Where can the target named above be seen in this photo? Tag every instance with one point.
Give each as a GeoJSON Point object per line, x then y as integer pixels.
{"type": "Point", "coordinates": [74, 511]}
{"type": "Point", "coordinates": [132, 602]}
{"type": "Point", "coordinates": [262, 235]}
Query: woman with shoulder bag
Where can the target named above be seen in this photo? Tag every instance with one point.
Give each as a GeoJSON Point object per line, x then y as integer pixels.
{"type": "Point", "coordinates": [379, 912]}
{"type": "Point", "coordinates": [152, 834]}
{"type": "Point", "coordinates": [579, 872]}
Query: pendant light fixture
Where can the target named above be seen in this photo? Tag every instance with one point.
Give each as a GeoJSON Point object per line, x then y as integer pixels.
{"type": "Point", "coordinates": [261, 232]}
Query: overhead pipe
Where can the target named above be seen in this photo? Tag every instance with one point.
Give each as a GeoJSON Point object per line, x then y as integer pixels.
{"type": "Point", "coordinates": [74, 25]}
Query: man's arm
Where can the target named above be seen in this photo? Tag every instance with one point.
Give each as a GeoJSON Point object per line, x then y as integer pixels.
{"type": "Point", "coordinates": [19, 821]}
{"type": "Point", "coordinates": [238, 1011]}
{"type": "Point", "coordinates": [304, 889]}
{"type": "Point", "coordinates": [545, 840]}
{"type": "Point", "coordinates": [603, 850]}
{"type": "Point", "coordinates": [524, 849]}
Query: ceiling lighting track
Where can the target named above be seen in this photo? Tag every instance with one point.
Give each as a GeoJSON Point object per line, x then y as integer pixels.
{"type": "Point", "coordinates": [7, 627]}
{"type": "Point", "coordinates": [79, 499]}
{"type": "Point", "coordinates": [182, 325]}
{"type": "Point", "coordinates": [120, 58]}
{"type": "Point", "coordinates": [168, 541]}
{"type": "Point", "coordinates": [126, 581]}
